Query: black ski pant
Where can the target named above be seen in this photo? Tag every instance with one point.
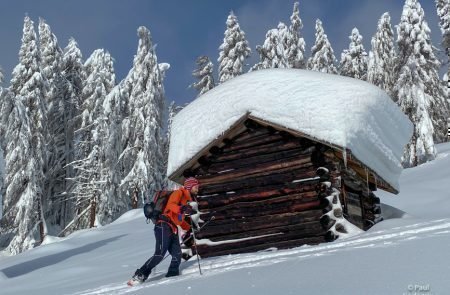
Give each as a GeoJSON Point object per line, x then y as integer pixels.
{"type": "Point", "coordinates": [166, 240]}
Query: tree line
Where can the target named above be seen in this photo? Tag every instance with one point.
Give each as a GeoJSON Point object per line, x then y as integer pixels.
{"type": "Point", "coordinates": [78, 148]}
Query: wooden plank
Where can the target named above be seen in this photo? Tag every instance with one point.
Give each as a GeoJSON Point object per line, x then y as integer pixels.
{"type": "Point", "coordinates": [228, 226]}
{"type": "Point", "coordinates": [274, 179]}
{"type": "Point", "coordinates": [277, 208]}
{"type": "Point", "coordinates": [311, 227]}
{"type": "Point", "coordinates": [258, 194]}
{"type": "Point", "coordinates": [281, 243]}
{"type": "Point", "coordinates": [257, 159]}
{"type": "Point", "coordinates": [258, 170]}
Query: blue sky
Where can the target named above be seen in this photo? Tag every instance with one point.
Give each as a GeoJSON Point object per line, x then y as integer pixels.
{"type": "Point", "coordinates": [185, 29]}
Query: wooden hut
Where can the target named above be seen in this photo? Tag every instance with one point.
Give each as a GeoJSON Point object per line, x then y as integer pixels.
{"type": "Point", "coordinates": [269, 183]}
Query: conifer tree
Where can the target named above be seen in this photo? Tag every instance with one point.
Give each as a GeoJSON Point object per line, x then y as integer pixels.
{"type": "Point", "coordinates": [204, 75]}
{"type": "Point", "coordinates": [143, 154]}
{"type": "Point", "coordinates": [443, 11]}
{"type": "Point", "coordinates": [354, 59]}
{"type": "Point", "coordinates": [73, 77]}
{"type": "Point", "coordinates": [273, 53]}
{"type": "Point", "coordinates": [51, 57]}
{"type": "Point", "coordinates": [90, 173]}
{"type": "Point", "coordinates": [233, 51]}
{"type": "Point", "coordinates": [295, 45]}
{"type": "Point", "coordinates": [26, 149]}
{"type": "Point", "coordinates": [418, 91]}
{"type": "Point", "coordinates": [322, 55]}
{"type": "Point", "coordinates": [382, 56]}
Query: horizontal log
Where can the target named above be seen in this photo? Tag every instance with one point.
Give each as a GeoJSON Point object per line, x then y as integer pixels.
{"type": "Point", "coordinates": [228, 226]}
{"type": "Point", "coordinates": [252, 142]}
{"type": "Point", "coordinates": [249, 134]}
{"type": "Point", "coordinates": [274, 147]}
{"type": "Point", "coordinates": [303, 228]}
{"type": "Point", "coordinates": [257, 194]}
{"type": "Point", "coordinates": [205, 251]}
{"type": "Point", "coordinates": [258, 170]}
{"type": "Point", "coordinates": [273, 179]}
{"type": "Point", "coordinates": [257, 159]}
{"type": "Point", "coordinates": [280, 208]}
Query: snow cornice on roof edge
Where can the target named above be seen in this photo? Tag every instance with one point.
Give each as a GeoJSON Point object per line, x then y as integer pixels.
{"type": "Point", "coordinates": [344, 112]}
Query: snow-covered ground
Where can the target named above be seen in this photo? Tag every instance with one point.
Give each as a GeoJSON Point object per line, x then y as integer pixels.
{"type": "Point", "coordinates": [408, 253]}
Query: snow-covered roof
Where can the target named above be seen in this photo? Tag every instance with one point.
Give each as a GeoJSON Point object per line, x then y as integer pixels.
{"type": "Point", "coordinates": [342, 111]}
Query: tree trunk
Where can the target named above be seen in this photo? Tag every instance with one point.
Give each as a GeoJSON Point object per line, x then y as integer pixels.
{"type": "Point", "coordinates": [92, 213]}
{"type": "Point", "coordinates": [135, 198]}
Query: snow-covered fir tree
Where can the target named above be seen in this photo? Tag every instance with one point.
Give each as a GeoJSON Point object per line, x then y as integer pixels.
{"type": "Point", "coordinates": [295, 45]}
{"type": "Point", "coordinates": [443, 11]}
{"type": "Point", "coordinates": [2, 159]}
{"type": "Point", "coordinates": [354, 59]}
{"type": "Point", "coordinates": [90, 173]}
{"type": "Point", "coordinates": [381, 63]}
{"type": "Point", "coordinates": [26, 147]}
{"type": "Point", "coordinates": [141, 130]}
{"type": "Point", "coordinates": [233, 51]}
{"type": "Point", "coordinates": [273, 53]}
{"type": "Point", "coordinates": [322, 55]}
{"type": "Point", "coordinates": [172, 112]}
{"type": "Point", "coordinates": [51, 57]}
{"type": "Point", "coordinates": [73, 77]}
{"type": "Point", "coordinates": [418, 91]}
{"type": "Point", "coordinates": [204, 74]}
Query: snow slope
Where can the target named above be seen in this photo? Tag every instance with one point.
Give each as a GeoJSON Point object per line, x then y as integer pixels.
{"type": "Point", "coordinates": [339, 110]}
{"type": "Point", "coordinates": [405, 253]}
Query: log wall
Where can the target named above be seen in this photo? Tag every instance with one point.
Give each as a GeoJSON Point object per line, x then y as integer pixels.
{"type": "Point", "coordinates": [266, 188]}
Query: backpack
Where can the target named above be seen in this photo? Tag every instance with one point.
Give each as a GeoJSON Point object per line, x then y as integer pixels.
{"type": "Point", "coordinates": [156, 207]}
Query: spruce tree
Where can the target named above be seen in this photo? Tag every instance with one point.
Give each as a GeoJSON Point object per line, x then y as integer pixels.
{"type": "Point", "coordinates": [233, 51]}
{"type": "Point", "coordinates": [295, 45]}
{"type": "Point", "coordinates": [143, 154]}
{"type": "Point", "coordinates": [204, 75]}
{"type": "Point", "coordinates": [382, 56]}
{"type": "Point", "coordinates": [322, 55]}
{"type": "Point", "coordinates": [26, 150]}
{"type": "Point", "coordinates": [354, 59]}
{"type": "Point", "coordinates": [73, 77]}
{"type": "Point", "coordinates": [443, 11]}
{"type": "Point", "coordinates": [418, 91]}
{"type": "Point", "coordinates": [51, 57]}
{"type": "Point", "coordinates": [273, 53]}
{"type": "Point", "coordinates": [90, 172]}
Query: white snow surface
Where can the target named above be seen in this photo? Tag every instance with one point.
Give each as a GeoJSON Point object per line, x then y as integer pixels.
{"type": "Point", "coordinates": [405, 252]}
{"type": "Point", "coordinates": [339, 110]}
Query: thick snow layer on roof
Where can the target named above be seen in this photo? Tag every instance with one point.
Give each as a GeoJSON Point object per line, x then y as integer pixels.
{"type": "Point", "coordinates": [340, 110]}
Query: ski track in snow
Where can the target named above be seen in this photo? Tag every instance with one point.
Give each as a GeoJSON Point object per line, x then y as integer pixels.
{"type": "Point", "coordinates": [213, 266]}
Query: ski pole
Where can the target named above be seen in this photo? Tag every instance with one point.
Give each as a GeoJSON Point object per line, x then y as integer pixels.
{"type": "Point", "coordinates": [196, 252]}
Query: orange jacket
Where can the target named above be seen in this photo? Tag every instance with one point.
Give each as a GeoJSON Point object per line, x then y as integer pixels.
{"type": "Point", "coordinates": [172, 211]}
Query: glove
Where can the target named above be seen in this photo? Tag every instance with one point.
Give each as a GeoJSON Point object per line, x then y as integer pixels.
{"type": "Point", "coordinates": [187, 209]}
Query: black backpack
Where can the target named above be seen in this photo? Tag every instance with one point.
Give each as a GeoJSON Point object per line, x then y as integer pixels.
{"type": "Point", "coordinates": [156, 207]}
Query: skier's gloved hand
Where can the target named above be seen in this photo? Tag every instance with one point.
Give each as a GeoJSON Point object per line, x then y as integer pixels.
{"type": "Point", "coordinates": [187, 209]}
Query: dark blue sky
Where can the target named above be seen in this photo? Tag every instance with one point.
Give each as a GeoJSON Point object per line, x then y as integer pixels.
{"type": "Point", "coordinates": [185, 29]}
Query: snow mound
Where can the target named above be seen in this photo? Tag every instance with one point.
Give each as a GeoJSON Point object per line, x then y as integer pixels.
{"type": "Point", "coordinates": [339, 110]}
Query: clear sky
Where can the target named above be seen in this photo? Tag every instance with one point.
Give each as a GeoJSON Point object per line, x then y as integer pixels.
{"type": "Point", "coordinates": [185, 29]}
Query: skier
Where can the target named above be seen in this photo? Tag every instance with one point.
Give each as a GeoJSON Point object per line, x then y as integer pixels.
{"type": "Point", "coordinates": [166, 231]}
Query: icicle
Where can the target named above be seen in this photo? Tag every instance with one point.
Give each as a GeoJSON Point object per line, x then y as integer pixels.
{"type": "Point", "coordinates": [367, 180]}
{"type": "Point", "coordinates": [344, 155]}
